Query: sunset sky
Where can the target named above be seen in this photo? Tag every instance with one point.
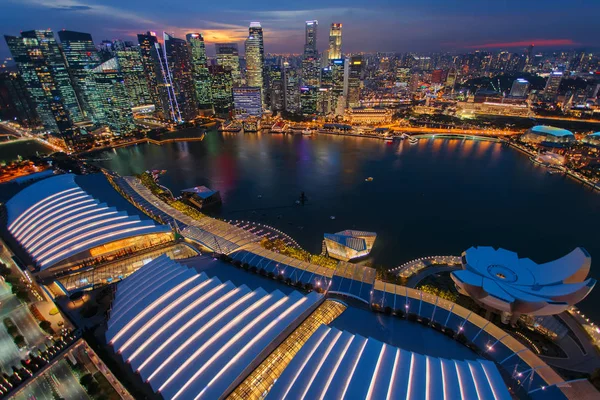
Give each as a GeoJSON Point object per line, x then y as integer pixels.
{"type": "Point", "coordinates": [368, 25]}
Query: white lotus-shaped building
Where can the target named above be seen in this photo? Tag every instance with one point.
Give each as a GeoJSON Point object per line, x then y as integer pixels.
{"type": "Point", "coordinates": [501, 281]}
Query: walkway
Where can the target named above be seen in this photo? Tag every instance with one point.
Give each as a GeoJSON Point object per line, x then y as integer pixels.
{"type": "Point", "coordinates": [414, 280]}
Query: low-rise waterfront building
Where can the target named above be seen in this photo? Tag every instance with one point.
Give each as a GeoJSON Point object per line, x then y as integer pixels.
{"type": "Point", "coordinates": [548, 136]}
{"type": "Point", "coordinates": [370, 116]}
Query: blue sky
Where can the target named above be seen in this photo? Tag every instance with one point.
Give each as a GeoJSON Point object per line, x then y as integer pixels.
{"type": "Point", "coordinates": [368, 25]}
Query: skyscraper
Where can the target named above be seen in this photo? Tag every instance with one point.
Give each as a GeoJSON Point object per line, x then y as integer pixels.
{"type": "Point", "coordinates": [228, 56]}
{"type": "Point", "coordinates": [355, 72]}
{"type": "Point", "coordinates": [310, 43]}
{"type": "Point", "coordinates": [255, 57]}
{"type": "Point", "coordinates": [150, 51]}
{"type": "Point", "coordinates": [82, 57]}
{"type": "Point", "coordinates": [335, 42]}
{"type": "Point", "coordinates": [275, 88]}
{"type": "Point", "coordinates": [200, 70]}
{"type": "Point", "coordinates": [308, 100]}
{"type": "Point", "coordinates": [44, 72]}
{"type": "Point", "coordinates": [292, 89]}
{"type": "Point", "coordinates": [15, 103]}
{"type": "Point", "coordinates": [132, 71]}
{"type": "Point", "coordinates": [310, 61]}
{"type": "Point", "coordinates": [178, 58]}
{"type": "Point", "coordinates": [553, 85]}
{"type": "Point", "coordinates": [221, 86]}
{"type": "Point", "coordinates": [116, 107]}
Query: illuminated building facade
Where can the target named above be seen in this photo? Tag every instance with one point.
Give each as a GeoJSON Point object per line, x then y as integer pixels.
{"type": "Point", "coordinates": [519, 88]}
{"type": "Point", "coordinates": [548, 136]}
{"type": "Point", "coordinates": [115, 106]}
{"type": "Point", "coordinates": [354, 81]}
{"type": "Point", "coordinates": [255, 57]}
{"type": "Point", "coordinates": [275, 95]}
{"type": "Point", "coordinates": [201, 74]}
{"type": "Point", "coordinates": [335, 42]}
{"type": "Point", "coordinates": [132, 70]}
{"type": "Point", "coordinates": [178, 58]}
{"type": "Point", "coordinates": [150, 51]}
{"type": "Point", "coordinates": [370, 116]}
{"type": "Point", "coordinates": [309, 96]}
{"type": "Point", "coordinates": [311, 67]}
{"type": "Point", "coordinates": [45, 74]}
{"type": "Point", "coordinates": [292, 89]}
{"type": "Point", "coordinates": [15, 103]}
{"type": "Point", "coordinates": [221, 89]}
{"type": "Point", "coordinates": [228, 56]}
{"type": "Point", "coordinates": [247, 102]}
{"type": "Point", "coordinates": [553, 85]}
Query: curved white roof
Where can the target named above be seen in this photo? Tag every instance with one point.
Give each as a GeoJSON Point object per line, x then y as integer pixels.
{"type": "Point", "coordinates": [335, 364]}
{"type": "Point", "coordinates": [56, 218]}
{"type": "Point", "coordinates": [192, 337]}
{"type": "Point", "coordinates": [551, 130]}
{"type": "Point", "coordinates": [502, 280]}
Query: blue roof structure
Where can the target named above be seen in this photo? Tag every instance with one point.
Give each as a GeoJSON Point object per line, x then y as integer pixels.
{"type": "Point", "coordinates": [551, 130]}
{"type": "Point", "coordinates": [64, 215]}
{"type": "Point", "coordinates": [335, 364]}
{"type": "Point", "coordinates": [352, 242]}
{"type": "Point", "coordinates": [201, 191]}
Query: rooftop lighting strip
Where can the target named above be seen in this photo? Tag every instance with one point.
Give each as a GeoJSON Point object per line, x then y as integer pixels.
{"type": "Point", "coordinates": [460, 383]}
{"type": "Point", "coordinates": [314, 348]}
{"type": "Point", "coordinates": [17, 222]}
{"type": "Point", "coordinates": [157, 317]}
{"type": "Point", "coordinates": [235, 338]}
{"type": "Point", "coordinates": [443, 379]}
{"type": "Point", "coordinates": [335, 368]}
{"type": "Point", "coordinates": [138, 297]}
{"type": "Point", "coordinates": [248, 346]}
{"type": "Point", "coordinates": [220, 333]}
{"type": "Point", "coordinates": [40, 217]}
{"type": "Point", "coordinates": [64, 220]}
{"type": "Point", "coordinates": [36, 212]}
{"type": "Point", "coordinates": [96, 239]}
{"type": "Point", "coordinates": [41, 255]}
{"type": "Point", "coordinates": [157, 303]}
{"type": "Point", "coordinates": [474, 380]}
{"type": "Point", "coordinates": [182, 329]}
{"type": "Point", "coordinates": [394, 369]}
{"type": "Point", "coordinates": [353, 369]}
{"type": "Point", "coordinates": [323, 358]}
{"type": "Point", "coordinates": [61, 238]}
{"type": "Point", "coordinates": [427, 378]}
{"type": "Point", "coordinates": [488, 377]}
{"type": "Point", "coordinates": [410, 375]}
{"type": "Point", "coordinates": [375, 373]}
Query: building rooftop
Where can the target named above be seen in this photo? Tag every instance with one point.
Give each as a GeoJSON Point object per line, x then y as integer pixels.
{"type": "Point", "coordinates": [58, 217]}
{"type": "Point", "coordinates": [336, 364]}
{"type": "Point", "coordinates": [201, 191]}
{"type": "Point", "coordinates": [550, 130]}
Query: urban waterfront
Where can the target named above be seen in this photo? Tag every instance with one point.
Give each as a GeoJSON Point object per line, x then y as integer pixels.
{"type": "Point", "coordinates": [10, 151]}
{"type": "Point", "coordinates": [434, 198]}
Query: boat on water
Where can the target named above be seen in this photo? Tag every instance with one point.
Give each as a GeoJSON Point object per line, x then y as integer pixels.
{"type": "Point", "coordinates": [413, 140]}
{"type": "Point", "coordinates": [388, 139]}
{"type": "Point", "coordinates": [233, 126]}
{"type": "Point", "coordinates": [307, 132]}
{"type": "Point", "coordinates": [369, 179]}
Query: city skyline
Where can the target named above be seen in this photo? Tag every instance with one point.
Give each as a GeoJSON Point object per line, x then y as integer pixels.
{"type": "Point", "coordinates": [384, 27]}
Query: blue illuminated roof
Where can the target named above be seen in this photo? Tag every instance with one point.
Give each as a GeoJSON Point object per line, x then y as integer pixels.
{"type": "Point", "coordinates": [551, 130]}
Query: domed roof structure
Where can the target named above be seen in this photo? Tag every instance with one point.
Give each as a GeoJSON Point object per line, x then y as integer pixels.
{"type": "Point", "coordinates": [502, 281]}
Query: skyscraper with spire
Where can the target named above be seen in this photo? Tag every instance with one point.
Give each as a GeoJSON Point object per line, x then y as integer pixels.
{"type": "Point", "coordinates": [335, 42]}
{"type": "Point", "coordinates": [255, 57]}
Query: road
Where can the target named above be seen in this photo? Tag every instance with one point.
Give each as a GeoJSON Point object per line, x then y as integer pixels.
{"type": "Point", "coordinates": [59, 378]}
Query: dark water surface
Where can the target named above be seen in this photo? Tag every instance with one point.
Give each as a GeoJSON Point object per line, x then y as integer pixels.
{"type": "Point", "coordinates": [437, 197]}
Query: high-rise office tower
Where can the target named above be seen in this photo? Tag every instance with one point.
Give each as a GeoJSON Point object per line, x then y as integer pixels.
{"type": "Point", "coordinates": [255, 57]}
{"type": "Point", "coordinates": [335, 42]}
{"type": "Point", "coordinates": [42, 67]}
{"type": "Point", "coordinates": [275, 88]}
{"type": "Point", "coordinates": [292, 89]}
{"type": "Point", "coordinates": [178, 58]}
{"type": "Point", "coordinates": [311, 67]}
{"type": "Point", "coordinates": [228, 56]}
{"type": "Point", "coordinates": [308, 100]}
{"type": "Point", "coordinates": [451, 79]}
{"type": "Point", "coordinates": [247, 102]}
{"type": "Point", "coordinates": [82, 57]}
{"type": "Point", "coordinates": [520, 88]}
{"type": "Point", "coordinates": [115, 104]}
{"type": "Point", "coordinates": [354, 77]}
{"type": "Point", "coordinates": [221, 87]}
{"type": "Point", "coordinates": [310, 43]}
{"type": "Point", "coordinates": [151, 52]}
{"type": "Point", "coordinates": [200, 70]}
{"type": "Point", "coordinates": [15, 103]}
{"type": "Point", "coordinates": [337, 82]}
{"type": "Point", "coordinates": [132, 70]}
{"type": "Point", "coordinates": [553, 85]}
